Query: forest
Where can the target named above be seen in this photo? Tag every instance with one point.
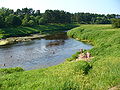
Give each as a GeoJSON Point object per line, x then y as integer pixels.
{"type": "Point", "coordinates": [29, 17]}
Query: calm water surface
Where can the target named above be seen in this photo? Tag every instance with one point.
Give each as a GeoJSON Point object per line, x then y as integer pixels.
{"type": "Point", "coordinates": [40, 53]}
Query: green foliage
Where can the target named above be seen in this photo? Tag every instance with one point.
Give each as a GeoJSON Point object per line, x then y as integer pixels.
{"type": "Point", "coordinates": [10, 70]}
{"type": "Point", "coordinates": [23, 31]}
{"type": "Point", "coordinates": [31, 23]}
{"type": "Point", "coordinates": [70, 59]}
{"type": "Point", "coordinates": [116, 23]}
{"type": "Point", "coordinates": [12, 20]}
{"type": "Point", "coordinates": [25, 22]}
{"type": "Point", "coordinates": [42, 21]}
{"type": "Point", "coordinates": [57, 16]}
{"type": "Point", "coordinates": [2, 23]}
{"type": "Point", "coordinates": [102, 20]}
{"type": "Point", "coordinates": [90, 18]}
{"type": "Point", "coordinates": [70, 85]}
{"type": "Point", "coordinates": [73, 57]}
{"type": "Point", "coordinates": [82, 65]}
{"type": "Point", "coordinates": [30, 17]}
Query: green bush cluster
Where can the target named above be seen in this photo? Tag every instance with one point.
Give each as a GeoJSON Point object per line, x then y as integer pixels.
{"type": "Point", "coordinates": [82, 65]}
{"type": "Point", "coordinates": [10, 70]}
{"type": "Point", "coordinates": [116, 23]}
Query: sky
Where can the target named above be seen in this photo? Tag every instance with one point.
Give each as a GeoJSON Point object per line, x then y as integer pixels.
{"type": "Point", "coordinates": [91, 6]}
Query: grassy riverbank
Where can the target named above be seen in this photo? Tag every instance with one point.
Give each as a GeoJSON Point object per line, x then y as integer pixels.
{"type": "Point", "coordinates": [26, 31]}
{"type": "Point", "coordinates": [101, 73]}
{"type": "Point", "coordinates": [105, 71]}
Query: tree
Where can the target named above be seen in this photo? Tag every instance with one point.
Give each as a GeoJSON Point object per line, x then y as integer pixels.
{"type": "Point", "coordinates": [57, 16]}
{"type": "Point", "coordinates": [31, 23]}
{"type": "Point", "coordinates": [13, 20]}
{"type": "Point", "coordinates": [2, 23]}
{"type": "Point", "coordinates": [16, 21]}
{"type": "Point", "coordinates": [102, 20]}
{"type": "Point", "coordinates": [25, 22]}
{"type": "Point", "coordinates": [37, 13]}
{"type": "Point", "coordinates": [18, 12]}
{"type": "Point", "coordinates": [29, 11]}
{"type": "Point", "coordinates": [42, 21]}
{"type": "Point", "coordinates": [37, 18]}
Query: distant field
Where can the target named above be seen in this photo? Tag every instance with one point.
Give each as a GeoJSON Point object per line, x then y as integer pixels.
{"type": "Point", "coordinates": [102, 73]}
{"type": "Point", "coordinates": [23, 31]}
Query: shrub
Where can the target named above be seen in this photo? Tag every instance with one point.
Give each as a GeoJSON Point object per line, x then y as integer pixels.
{"type": "Point", "coordinates": [73, 57]}
{"type": "Point", "coordinates": [116, 23]}
{"type": "Point", "coordinates": [82, 65]}
{"type": "Point", "coordinates": [10, 70]}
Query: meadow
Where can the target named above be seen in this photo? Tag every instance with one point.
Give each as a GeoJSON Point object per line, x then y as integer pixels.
{"type": "Point", "coordinates": [101, 73]}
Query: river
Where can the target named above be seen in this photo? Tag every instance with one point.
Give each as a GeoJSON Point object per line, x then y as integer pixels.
{"type": "Point", "coordinates": [40, 53]}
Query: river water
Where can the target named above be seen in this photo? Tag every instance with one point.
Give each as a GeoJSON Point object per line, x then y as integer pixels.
{"type": "Point", "coordinates": [40, 53]}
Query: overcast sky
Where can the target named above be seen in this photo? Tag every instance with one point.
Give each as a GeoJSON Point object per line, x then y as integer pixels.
{"type": "Point", "coordinates": [92, 6]}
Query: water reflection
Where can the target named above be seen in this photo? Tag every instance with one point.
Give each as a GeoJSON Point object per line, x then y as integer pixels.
{"type": "Point", "coordinates": [40, 53]}
{"type": "Point", "coordinates": [60, 36]}
{"type": "Point", "coordinates": [55, 43]}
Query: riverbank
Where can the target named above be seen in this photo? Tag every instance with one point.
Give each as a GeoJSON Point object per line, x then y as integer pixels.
{"type": "Point", "coordinates": [105, 72]}
{"type": "Point", "coordinates": [19, 34]}
{"type": "Point", "coordinates": [102, 73]}
{"type": "Point", "coordinates": [13, 40]}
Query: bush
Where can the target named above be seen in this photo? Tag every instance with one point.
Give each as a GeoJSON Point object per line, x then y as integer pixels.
{"type": "Point", "coordinates": [116, 23]}
{"type": "Point", "coordinates": [82, 65]}
{"type": "Point", "coordinates": [10, 70]}
{"type": "Point", "coordinates": [73, 57]}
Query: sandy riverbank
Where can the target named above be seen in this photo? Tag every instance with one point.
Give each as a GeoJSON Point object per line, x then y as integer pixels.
{"type": "Point", "coordinates": [12, 40]}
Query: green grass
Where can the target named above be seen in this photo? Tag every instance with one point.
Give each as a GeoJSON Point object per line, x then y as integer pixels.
{"type": "Point", "coordinates": [43, 29]}
{"type": "Point", "coordinates": [101, 73]}
{"type": "Point", "coordinates": [60, 77]}
{"type": "Point", "coordinates": [105, 71]}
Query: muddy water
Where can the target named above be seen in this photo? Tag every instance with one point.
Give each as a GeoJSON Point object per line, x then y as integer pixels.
{"type": "Point", "coordinates": [40, 53]}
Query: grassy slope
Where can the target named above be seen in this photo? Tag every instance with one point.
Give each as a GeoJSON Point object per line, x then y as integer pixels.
{"type": "Point", "coordinates": [105, 71]}
{"type": "Point", "coordinates": [106, 64]}
{"type": "Point", "coordinates": [22, 31]}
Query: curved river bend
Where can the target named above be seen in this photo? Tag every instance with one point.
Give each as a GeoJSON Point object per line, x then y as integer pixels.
{"type": "Point", "coordinates": [40, 53]}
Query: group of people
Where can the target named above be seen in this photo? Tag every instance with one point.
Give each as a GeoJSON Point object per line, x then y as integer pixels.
{"type": "Point", "coordinates": [82, 55]}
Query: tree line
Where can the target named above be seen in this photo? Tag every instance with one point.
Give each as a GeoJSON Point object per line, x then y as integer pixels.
{"type": "Point", "coordinates": [30, 17]}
